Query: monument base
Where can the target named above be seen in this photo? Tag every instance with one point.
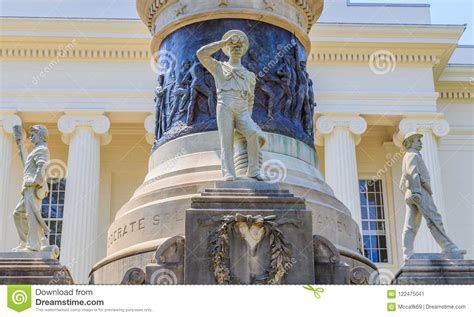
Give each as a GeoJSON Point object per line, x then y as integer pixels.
{"type": "Point", "coordinates": [435, 269]}
{"type": "Point", "coordinates": [32, 268]}
{"type": "Point", "coordinates": [248, 232]}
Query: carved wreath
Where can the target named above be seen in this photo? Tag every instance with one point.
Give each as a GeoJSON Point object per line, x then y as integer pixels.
{"type": "Point", "coordinates": [280, 260]}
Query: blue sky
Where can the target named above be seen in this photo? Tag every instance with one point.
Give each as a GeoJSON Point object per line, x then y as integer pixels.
{"type": "Point", "coordinates": [442, 11]}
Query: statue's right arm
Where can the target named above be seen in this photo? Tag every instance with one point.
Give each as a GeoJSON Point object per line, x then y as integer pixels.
{"type": "Point", "coordinates": [23, 152]}
{"type": "Point", "coordinates": [205, 52]}
{"type": "Point", "coordinates": [18, 134]}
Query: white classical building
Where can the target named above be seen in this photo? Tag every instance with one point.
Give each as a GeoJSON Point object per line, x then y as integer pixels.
{"type": "Point", "coordinates": [379, 72]}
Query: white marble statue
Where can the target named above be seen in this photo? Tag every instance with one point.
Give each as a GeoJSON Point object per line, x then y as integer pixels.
{"type": "Point", "coordinates": [235, 95]}
{"type": "Point", "coordinates": [27, 215]}
{"type": "Point", "coordinates": [415, 183]}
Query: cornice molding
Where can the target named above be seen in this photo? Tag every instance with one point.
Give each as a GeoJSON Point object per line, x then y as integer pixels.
{"type": "Point", "coordinates": [461, 94]}
{"type": "Point", "coordinates": [39, 51]}
{"type": "Point", "coordinates": [428, 44]}
{"type": "Point", "coordinates": [73, 27]}
{"type": "Point", "coordinates": [48, 38]}
{"type": "Point", "coordinates": [380, 32]}
{"type": "Point", "coordinates": [358, 56]}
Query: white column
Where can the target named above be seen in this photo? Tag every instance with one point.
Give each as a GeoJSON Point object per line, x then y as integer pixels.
{"type": "Point", "coordinates": [84, 134]}
{"type": "Point", "coordinates": [150, 128]}
{"type": "Point", "coordinates": [432, 128]}
{"type": "Point", "coordinates": [339, 134]}
{"type": "Point", "coordinates": [7, 122]}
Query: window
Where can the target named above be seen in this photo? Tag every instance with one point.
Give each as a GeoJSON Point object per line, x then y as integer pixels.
{"type": "Point", "coordinates": [52, 209]}
{"type": "Point", "coordinates": [373, 220]}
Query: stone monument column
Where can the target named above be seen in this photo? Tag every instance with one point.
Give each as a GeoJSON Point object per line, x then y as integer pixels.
{"type": "Point", "coordinates": [7, 122]}
{"type": "Point", "coordinates": [84, 133]}
{"type": "Point", "coordinates": [339, 134]}
{"type": "Point", "coordinates": [432, 128]}
{"type": "Point", "coordinates": [185, 157]}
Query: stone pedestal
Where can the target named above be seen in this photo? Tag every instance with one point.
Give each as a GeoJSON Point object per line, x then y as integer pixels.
{"type": "Point", "coordinates": [436, 269]}
{"type": "Point", "coordinates": [32, 268]}
{"type": "Point", "coordinates": [248, 232]}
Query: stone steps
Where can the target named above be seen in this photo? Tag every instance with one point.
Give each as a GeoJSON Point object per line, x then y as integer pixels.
{"type": "Point", "coordinates": [25, 268]}
{"type": "Point", "coordinates": [248, 210]}
{"type": "Point", "coordinates": [248, 195]}
{"type": "Point", "coordinates": [247, 202]}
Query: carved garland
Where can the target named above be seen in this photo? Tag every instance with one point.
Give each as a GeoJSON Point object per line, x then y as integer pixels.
{"type": "Point", "coordinates": [280, 260]}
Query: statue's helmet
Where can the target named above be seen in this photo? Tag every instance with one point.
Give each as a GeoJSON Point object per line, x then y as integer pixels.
{"type": "Point", "coordinates": [409, 138]}
{"type": "Point", "coordinates": [242, 35]}
{"type": "Point", "coordinates": [41, 131]}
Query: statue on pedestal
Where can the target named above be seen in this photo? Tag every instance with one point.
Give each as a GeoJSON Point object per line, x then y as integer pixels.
{"type": "Point", "coordinates": [235, 96]}
{"type": "Point", "coordinates": [415, 183]}
{"type": "Point", "coordinates": [27, 215]}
